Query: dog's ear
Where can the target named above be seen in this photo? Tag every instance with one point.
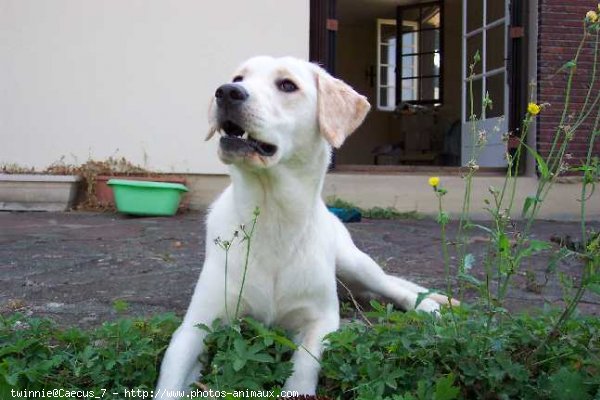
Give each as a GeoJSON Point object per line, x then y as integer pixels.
{"type": "Point", "coordinates": [212, 120]}
{"type": "Point", "coordinates": [340, 109]}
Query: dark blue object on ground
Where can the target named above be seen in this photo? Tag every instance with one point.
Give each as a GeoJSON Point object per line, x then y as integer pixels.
{"type": "Point", "coordinates": [346, 214]}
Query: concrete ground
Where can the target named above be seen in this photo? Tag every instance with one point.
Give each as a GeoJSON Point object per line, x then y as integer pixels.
{"type": "Point", "coordinates": [73, 266]}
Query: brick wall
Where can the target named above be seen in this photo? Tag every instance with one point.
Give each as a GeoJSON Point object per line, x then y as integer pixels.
{"type": "Point", "coordinates": [560, 32]}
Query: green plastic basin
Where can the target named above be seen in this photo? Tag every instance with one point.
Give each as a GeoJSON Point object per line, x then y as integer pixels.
{"type": "Point", "coordinates": [147, 197]}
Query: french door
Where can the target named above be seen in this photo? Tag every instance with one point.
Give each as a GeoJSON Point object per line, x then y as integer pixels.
{"type": "Point", "coordinates": [485, 25]}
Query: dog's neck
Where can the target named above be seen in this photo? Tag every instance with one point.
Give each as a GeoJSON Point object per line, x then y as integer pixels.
{"type": "Point", "coordinates": [290, 190]}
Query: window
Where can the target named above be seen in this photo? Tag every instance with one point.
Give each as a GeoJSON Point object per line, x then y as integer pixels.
{"type": "Point", "coordinates": [386, 64]}
{"type": "Point", "coordinates": [412, 73]}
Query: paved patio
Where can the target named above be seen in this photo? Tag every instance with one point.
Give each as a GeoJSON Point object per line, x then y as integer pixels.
{"type": "Point", "coordinates": [73, 266]}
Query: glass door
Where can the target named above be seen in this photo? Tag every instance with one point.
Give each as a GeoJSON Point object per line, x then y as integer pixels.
{"type": "Point", "coordinates": [485, 26]}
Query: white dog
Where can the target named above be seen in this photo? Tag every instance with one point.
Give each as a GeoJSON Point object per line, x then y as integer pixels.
{"type": "Point", "coordinates": [278, 120]}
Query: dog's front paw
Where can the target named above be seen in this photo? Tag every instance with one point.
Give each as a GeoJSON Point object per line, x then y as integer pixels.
{"type": "Point", "coordinates": [302, 383]}
{"type": "Point", "coordinates": [429, 306]}
{"type": "Point", "coordinates": [174, 392]}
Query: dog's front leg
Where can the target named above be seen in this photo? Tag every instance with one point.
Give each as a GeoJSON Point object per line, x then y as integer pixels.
{"type": "Point", "coordinates": [306, 359]}
{"type": "Point", "coordinates": [359, 270]}
{"type": "Point", "coordinates": [180, 366]}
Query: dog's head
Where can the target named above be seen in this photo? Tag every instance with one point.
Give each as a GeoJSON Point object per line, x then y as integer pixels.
{"type": "Point", "coordinates": [278, 109]}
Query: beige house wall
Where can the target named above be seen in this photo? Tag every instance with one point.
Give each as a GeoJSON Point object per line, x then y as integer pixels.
{"type": "Point", "coordinates": [132, 78]}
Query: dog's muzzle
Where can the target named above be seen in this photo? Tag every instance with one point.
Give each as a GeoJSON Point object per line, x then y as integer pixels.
{"type": "Point", "coordinates": [236, 140]}
{"type": "Point", "coordinates": [231, 94]}
{"type": "Point", "coordinates": [229, 98]}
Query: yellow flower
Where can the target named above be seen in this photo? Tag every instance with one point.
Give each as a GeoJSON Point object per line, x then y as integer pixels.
{"type": "Point", "coordinates": [434, 181]}
{"type": "Point", "coordinates": [592, 16]}
{"type": "Point", "coordinates": [533, 109]}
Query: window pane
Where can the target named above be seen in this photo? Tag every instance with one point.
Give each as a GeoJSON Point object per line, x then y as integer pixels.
{"type": "Point", "coordinates": [387, 97]}
{"type": "Point", "coordinates": [409, 89]}
{"type": "Point", "coordinates": [383, 54]}
{"type": "Point", "coordinates": [410, 42]}
{"type": "Point", "coordinates": [430, 17]}
{"type": "Point", "coordinates": [496, 88]}
{"type": "Point", "coordinates": [420, 53]}
{"type": "Point", "coordinates": [411, 14]}
{"type": "Point", "coordinates": [410, 66]}
{"type": "Point", "coordinates": [495, 10]}
{"type": "Point", "coordinates": [387, 54]}
{"type": "Point", "coordinates": [429, 64]}
{"type": "Point", "coordinates": [495, 47]}
{"type": "Point", "coordinates": [388, 31]}
{"type": "Point", "coordinates": [384, 76]}
{"type": "Point", "coordinates": [430, 89]}
{"type": "Point", "coordinates": [476, 97]}
{"type": "Point", "coordinates": [430, 40]}
{"type": "Point", "coordinates": [383, 97]}
{"type": "Point", "coordinates": [475, 14]}
{"type": "Point", "coordinates": [474, 44]}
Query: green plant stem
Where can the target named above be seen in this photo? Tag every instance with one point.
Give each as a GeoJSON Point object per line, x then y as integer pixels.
{"type": "Point", "coordinates": [464, 215]}
{"type": "Point", "coordinates": [444, 246]}
{"type": "Point", "coordinates": [583, 115]}
{"type": "Point", "coordinates": [589, 263]}
{"type": "Point", "coordinates": [567, 96]}
{"type": "Point", "coordinates": [526, 124]}
{"type": "Point", "coordinates": [248, 238]}
{"type": "Point", "coordinates": [511, 160]}
{"type": "Point", "coordinates": [501, 225]}
{"type": "Point", "coordinates": [467, 192]}
{"type": "Point", "coordinates": [544, 186]}
{"type": "Point", "coordinates": [589, 266]}
{"type": "Point", "coordinates": [225, 290]}
{"type": "Point", "coordinates": [554, 160]}
{"type": "Point", "coordinates": [507, 178]}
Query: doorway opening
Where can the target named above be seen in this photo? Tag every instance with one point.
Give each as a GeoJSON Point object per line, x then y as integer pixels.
{"type": "Point", "coordinates": [411, 59]}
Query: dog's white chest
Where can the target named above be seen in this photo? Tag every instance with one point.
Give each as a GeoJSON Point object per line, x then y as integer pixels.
{"type": "Point", "coordinates": [289, 269]}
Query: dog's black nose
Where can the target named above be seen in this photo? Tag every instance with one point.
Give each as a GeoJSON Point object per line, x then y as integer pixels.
{"type": "Point", "coordinates": [231, 93]}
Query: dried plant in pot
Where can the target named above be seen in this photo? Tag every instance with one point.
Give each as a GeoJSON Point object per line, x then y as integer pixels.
{"type": "Point", "coordinates": [96, 174]}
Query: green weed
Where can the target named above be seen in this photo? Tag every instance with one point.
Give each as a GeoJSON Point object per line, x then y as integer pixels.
{"type": "Point", "coordinates": [245, 354]}
{"type": "Point", "coordinates": [36, 354]}
{"type": "Point", "coordinates": [374, 212]}
{"type": "Point", "coordinates": [416, 356]}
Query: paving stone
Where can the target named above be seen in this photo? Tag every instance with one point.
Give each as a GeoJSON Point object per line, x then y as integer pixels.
{"type": "Point", "coordinates": [72, 266]}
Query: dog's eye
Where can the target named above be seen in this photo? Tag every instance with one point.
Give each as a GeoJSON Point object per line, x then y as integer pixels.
{"type": "Point", "coordinates": [238, 78]}
{"type": "Point", "coordinates": [285, 85]}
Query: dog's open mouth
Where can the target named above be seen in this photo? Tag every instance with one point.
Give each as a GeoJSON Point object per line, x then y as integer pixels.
{"type": "Point", "coordinates": [238, 140]}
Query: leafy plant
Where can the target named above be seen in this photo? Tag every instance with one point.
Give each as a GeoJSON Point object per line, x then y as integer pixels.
{"type": "Point", "coordinates": [35, 354]}
{"type": "Point", "coordinates": [245, 354]}
{"type": "Point", "coordinates": [413, 355]}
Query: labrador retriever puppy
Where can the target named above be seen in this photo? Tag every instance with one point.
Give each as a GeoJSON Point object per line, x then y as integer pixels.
{"type": "Point", "coordinates": [278, 120]}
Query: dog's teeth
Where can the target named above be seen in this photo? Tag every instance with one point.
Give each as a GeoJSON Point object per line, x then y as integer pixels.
{"type": "Point", "coordinates": [245, 135]}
